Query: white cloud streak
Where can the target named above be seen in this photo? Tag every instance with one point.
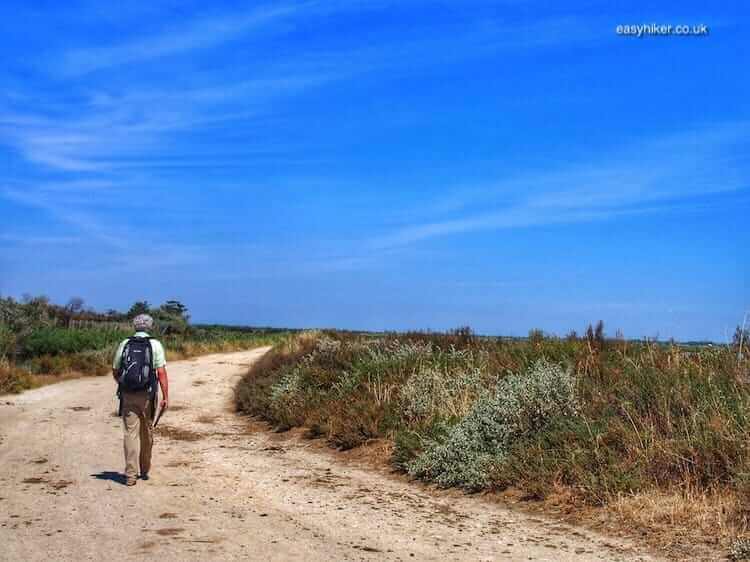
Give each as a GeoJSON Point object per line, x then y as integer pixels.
{"type": "Point", "coordinates": [102, 130]}
{"type": "Point", "coordinates": [644, 178]}
{"type": "Point", "coordinates": [82, 221]}
{"type": "Point", "coordinates": [195, 35]}
{"type": "Point", "coordinates": [115, 130]}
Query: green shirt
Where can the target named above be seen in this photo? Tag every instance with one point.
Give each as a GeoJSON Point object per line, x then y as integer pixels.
{"type": "Point", "coordinates": [160, 358]}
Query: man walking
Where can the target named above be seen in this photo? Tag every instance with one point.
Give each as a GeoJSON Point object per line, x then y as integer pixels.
{"type": "Point", "coordinates": [139, 361]}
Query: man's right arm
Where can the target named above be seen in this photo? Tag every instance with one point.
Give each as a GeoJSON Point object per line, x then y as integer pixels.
{"type": "Point", "coordinates": [161, 373]}
{"type": "Point", "coordinates": [116, 361]}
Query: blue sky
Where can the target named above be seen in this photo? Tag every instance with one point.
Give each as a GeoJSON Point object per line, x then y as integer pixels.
{"type": "Point", "coordinates": [506, 165]}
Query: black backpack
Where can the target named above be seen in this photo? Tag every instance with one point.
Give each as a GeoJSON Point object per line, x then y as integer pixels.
{"type": "Point", "coordinates": [137, 364]}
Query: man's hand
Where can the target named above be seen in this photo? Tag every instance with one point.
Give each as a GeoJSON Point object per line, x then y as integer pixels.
{"type": "Point", "coordinates": [161, 372]}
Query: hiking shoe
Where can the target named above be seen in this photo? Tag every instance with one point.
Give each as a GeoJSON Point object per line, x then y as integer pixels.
{"type": "Point", "coordinates": [144, 476]}
{"type": "Point", "coordinates": [131, 482]}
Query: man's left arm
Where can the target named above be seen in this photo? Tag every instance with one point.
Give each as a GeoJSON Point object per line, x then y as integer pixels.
{"type": "Point", "coordinates": [160, 362]}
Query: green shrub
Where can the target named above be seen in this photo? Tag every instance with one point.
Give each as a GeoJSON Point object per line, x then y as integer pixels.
{"type": "Point", "coordinates": [7, 342]}
{"type": "Point", "coordinates": [253, 393]}
{"type": "Point", "coordinates": [432, 393]}
{"type": "Point", "coordinates": [740, 550]}
{"type": "Point", "coordinates": [521, 405]}
{"type": "Point", "coordinates": [58, 341]}
{"type": "Point", "coordinates": [409, 443]}
{"type": "Point", "coordinates": [97, 362]}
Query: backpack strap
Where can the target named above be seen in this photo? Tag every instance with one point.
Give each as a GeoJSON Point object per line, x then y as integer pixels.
{"type": "Point", "coordinates": [150, 354]}
{"type": "Point", "coordinates": [124, 354]}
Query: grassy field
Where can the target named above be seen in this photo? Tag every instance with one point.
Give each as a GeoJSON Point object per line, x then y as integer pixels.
{"type": "Point", "coordinates": [38, 347]}
{"type": "Point", "coordinates": [57, 354]}
{"type": "Point", "coordinates": [647, 436]}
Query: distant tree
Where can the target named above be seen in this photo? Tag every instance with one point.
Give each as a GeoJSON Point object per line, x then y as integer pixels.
{"type": "Point", "coordinates": [10, 310]}
{"type": "Point", "coordinates": [536, 336]}
{"type": "Point", "coordinates": [599, 332]}
{"type": "Point", "coordinates": [29, 314]}
{"type": "Point", "coordinates": [171, 317]}
{"type": "Point", "coordinates": [139, 307]}
{"type": "Point", "coordinates": [740, 340]}
{"type": "Point", "coordinates": [595, 335]}
{"type": "Point", "coordinates": [572, 335]}
{"type": "Point", "coordinates": [463, 336]}
{"type": "Point", "coordinates": [740, 336]}
{"type": "Point", "coordinates": [176, 308]}
{"type": "Point", "coordinates": [39, 301]}
{"type": "Point", "coordinates": [75, 305]}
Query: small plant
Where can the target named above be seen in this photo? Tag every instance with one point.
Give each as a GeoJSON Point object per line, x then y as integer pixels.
{"type": "Point", "coordinates": [327, 346]}
{"type": "Point", "coordinates": [7, 342]}
{"type": "Point", "coordinates": [740, 550]}
{"type": "Point", "coordinates": [434, 392]}
{"type": "Point", "coordinates": [13, 379]}
{"type": "Point", "coordinates": [521, 404]}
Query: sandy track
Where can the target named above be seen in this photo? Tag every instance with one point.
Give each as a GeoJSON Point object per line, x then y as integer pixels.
{"type": "Point", "coordinates": [222, 489]}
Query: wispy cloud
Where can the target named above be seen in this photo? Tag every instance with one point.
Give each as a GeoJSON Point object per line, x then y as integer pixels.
{"type": "Point", "coordinates": [456, 43]}
{"type": "Point", "coordinates": [102, 128]}
{"type": "Point", "coordinates": [197, 34]}
{"type": "Point", "coordinates": [647, 177]}
{"type": "Point", "coordinates": [34, 240]}
{"type": "Point", "coordinates": [84, 222]}
{"type": "Point", "coordinates": [112, 130]}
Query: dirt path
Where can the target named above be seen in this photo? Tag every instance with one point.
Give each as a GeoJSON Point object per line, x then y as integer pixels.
{"type": "Point", "coordinates": [222, 491]}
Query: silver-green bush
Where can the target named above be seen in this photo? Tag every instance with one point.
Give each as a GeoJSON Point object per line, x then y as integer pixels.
{"type": "Point", "coordinates": [433, 391]}
{"type": "Point", "coordinates": [520, 404]}
{"type": "Point", "coordinates": [740, 550]}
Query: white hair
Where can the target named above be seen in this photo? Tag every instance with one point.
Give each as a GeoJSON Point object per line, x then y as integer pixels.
{"type": "Point", "coordinates": [143, 322]}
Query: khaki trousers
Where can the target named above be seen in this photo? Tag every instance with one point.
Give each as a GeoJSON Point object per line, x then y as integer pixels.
{"type": "Point", "coordinates": [139, 437]}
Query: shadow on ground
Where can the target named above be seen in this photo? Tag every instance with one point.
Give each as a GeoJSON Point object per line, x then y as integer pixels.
{"type": "Point", "coordinates": [111, 476]}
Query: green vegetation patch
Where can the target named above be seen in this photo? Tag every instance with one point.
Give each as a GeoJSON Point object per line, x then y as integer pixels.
{"type": "Point", "coordinates": [601, 418]}
{"type": "Point", "coordinates": [38, 337]}
{"type": "Point", "coordinates": [520, 405]}
{"type": "Point", "coordinates": [58, 341]}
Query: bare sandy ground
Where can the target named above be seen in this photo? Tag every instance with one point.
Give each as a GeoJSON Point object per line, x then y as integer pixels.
{"type": "Point", "coordinates": [223, 489]}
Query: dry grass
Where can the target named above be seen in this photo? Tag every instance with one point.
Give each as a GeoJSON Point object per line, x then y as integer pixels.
{"type": "Point", "coordinates": [13, 380]}
{"type": "Point", "coordinates": [658, 445]}
{"type": "Point", "coordinates": [674, 519]}
{"type": "Point", "coordinates": [697, 526]}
